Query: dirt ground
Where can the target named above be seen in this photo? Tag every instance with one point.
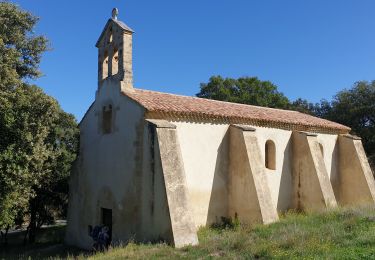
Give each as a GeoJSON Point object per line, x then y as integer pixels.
{"type": "Point", "coordinates": [49, 243]}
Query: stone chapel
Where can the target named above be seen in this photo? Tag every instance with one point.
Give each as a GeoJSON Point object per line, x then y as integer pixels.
{"type": "Point", "coordinates": [154, 166]}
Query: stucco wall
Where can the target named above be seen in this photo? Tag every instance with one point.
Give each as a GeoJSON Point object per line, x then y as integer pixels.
{"type": "Point", "coordinates": [312, 187]}
{"type": "Point", "coordinates": [106, 169]}
{"type": "Point", "coordinates": [280, 179]}
{"type": "Point", "coordinates": [249, 195]}
{"type": "Point", "coordinates": [155, 213]}
{"type": "Point", "coordinates": [204, 150]}
{"type": "Point", "coordinates": [331, 155]}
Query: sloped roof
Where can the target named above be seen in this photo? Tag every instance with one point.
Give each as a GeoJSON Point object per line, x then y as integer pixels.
{"type": "Point", "coordinates": [162, 105]}
{"type": "Point", "coordinates": [119, 23]}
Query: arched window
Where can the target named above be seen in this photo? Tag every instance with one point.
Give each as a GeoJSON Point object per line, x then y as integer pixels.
{"type": "Point", "coordinates": [105, 66]}
{"type": "Point", "coordinates": [107, 119]}
{"type": "Point", "coordinates": [115, 62]}
{"type": "Point", "coordinates": [270, 155]}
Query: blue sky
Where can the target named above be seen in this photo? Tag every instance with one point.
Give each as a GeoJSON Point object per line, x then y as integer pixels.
{"type": "Point", "coordinates": [309, 49]}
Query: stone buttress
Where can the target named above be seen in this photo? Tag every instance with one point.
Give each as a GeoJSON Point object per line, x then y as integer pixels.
{"type": "Point", "coordinates": [356, 182]}
{"type": "Point", "coordinates": [172, 167]}
{"type": "Point", "coordinates": [249, 196]}
{"type": "Point", "coordinates": [312, 187]}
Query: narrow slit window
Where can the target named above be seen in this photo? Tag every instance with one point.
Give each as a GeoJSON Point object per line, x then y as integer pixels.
{"type": "Point", "coordinates": [107, 119]}
{"type": "Point", "coordinates": [270, 155]}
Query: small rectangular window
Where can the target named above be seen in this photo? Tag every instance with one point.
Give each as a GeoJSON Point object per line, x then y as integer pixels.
{"type": "Point", "coordinates": [107, 119]}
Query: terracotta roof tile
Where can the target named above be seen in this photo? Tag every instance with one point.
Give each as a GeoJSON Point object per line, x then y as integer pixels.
{"type": "Point", "coordinates": [175, 106]}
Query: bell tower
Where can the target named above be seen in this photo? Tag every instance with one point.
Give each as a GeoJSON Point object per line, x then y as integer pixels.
{"type": "Point", "coordinates": [115, 53]}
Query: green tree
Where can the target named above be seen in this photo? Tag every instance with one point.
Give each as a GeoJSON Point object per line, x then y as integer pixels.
{"type": "Point", "coordinates": [303, 106]}
{"type": "Point", "coordinates": [356, 108]}
{"type": "Point", "coordinates": [20, 49]}
{"type": "Point", "coordinates": [51, 194]}
{"type": "Point", "coordinates": [38, 145]}
{"type": "Point", "coordinates": [321, 109]}
{"type": "Point", "coordinates": [38, 140]}
{"type": "Point", "coordinates": [245, 90]}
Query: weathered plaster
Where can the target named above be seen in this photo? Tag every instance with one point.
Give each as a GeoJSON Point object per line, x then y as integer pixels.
{"type": "Point", "coordinates": [280, 179]}
{"type": "Point", "coordinates": [107, 160]}
{"type": "Point", "coordinates": [312, 187]}
{"type": "Point", "coordinates": [183, 226]}
{"type": "Point", "coordinates": [356, 182]}
{"type": "Point", "coordinates": [249, 195]}
{"type": "Point", "coordinates": [204, 149]}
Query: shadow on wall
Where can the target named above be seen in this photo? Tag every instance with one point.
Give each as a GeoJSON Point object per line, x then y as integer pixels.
{"type": "Point", "coordinates": [284, 201]}
{"type": "Point", "coordinates": [334, 174]}
{"type": "Point", "coordinates": [371, 160]}
{"type": "Point", "coordinates": [218, 205]}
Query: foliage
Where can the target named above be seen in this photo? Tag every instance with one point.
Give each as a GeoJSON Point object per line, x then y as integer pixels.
{"type": "Point", "coordinates": [303, 106]}
{"type": "Point", "coordinates": [38, 140]}
{"type": "Point", "coordinates": [24, 120]}
{"type": "Point", "coordinates": [38, 144]}
{"type": "Point", "coordinates": [318, 109]}
{"type": "Point", "coordinates": [356, 108]}
{"type": "Point", "coordinates": [20, 49]}
{"type": "Point", "coordinates": [246, 90]}
{"type": "Point", "coordinates": [51, 195]}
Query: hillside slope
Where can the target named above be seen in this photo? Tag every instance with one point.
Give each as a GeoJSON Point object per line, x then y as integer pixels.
{"type": "Point", "coordinates": [335, 234]}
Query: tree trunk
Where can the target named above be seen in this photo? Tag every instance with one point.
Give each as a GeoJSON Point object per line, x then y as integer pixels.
{"type": "Point", "coordinates": [4, 236]}
{"type": "Point", "coordinates": [25, 237]}
{"type": "Point", "coordinates": [32, 228]}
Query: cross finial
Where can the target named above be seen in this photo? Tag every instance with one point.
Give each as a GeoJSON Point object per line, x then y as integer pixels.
{"type": "Point", "coordinates": [114, 13]}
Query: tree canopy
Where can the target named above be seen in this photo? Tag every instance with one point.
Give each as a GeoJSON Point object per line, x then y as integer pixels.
{"type": "Point", "coordinates": [245, 90]}
{"type": "Point", "coordinates": [355, 107]}
{"type": "Point", "coordinates": [38, 140]}
{"type": "Point", "coordinates": [20, 48]}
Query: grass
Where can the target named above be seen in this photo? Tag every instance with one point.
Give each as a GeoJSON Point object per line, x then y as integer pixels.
{"type": "Point", "coordinates": [347, 233]}
{"type": "Point", "coordinates": [334, 234]}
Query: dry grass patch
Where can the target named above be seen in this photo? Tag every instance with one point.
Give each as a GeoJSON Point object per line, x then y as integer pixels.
{"type": "Point", "coordinates": [343, 233]}
{"type": "Point", "coordinates": [334, 234]}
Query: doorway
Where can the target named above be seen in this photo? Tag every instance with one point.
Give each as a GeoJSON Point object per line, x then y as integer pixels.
{"type": "Point", "coordinates": [107, 220]}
